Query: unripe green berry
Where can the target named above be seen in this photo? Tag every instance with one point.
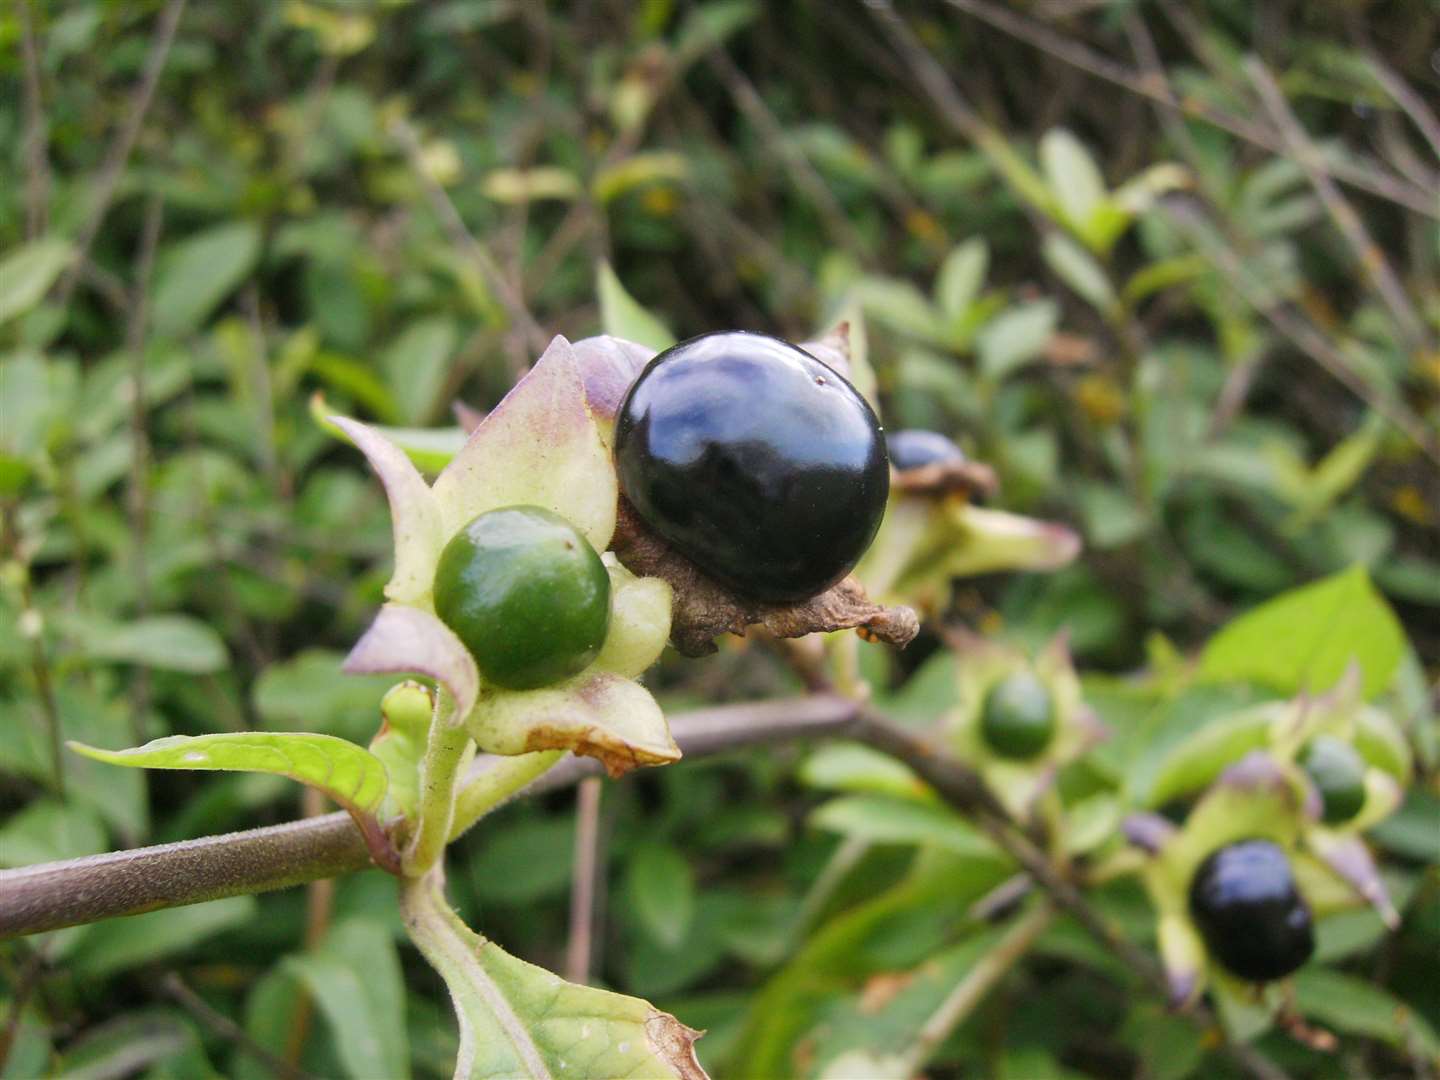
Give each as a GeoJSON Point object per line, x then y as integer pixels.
{"type": "Point", "coordinates": [1018, 718]}
{"type": "Point", "coordinates": [1338, 774]}
{"type": "Point", "coordinates": [526, 594]}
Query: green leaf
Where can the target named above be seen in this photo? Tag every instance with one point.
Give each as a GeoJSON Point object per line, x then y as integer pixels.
{"type": "Point", "coordinates": [1015, 337]}
{"type": "Point", "coordinates": [27, 273]}
{"type": "Point", "coordinates": [356, 980]}
{"type": "Point", "coordinates": [519, 1020]}
{"type": "Point", "coordinates": [661, 888]}
{"type": "Point", "coordinates": [417, 363]}
{"type": "Point", "coordinates": [1304, 639]}
{"type": "Point", "coordinates": [623, 317]}
{"type": "Point", "coordinates": [1207, 753]}
{"type": "Point", "coordinates": [351, 776]}
{"type": "Point", "coordinates": [961, 275]}
{"type": "Point", "coordinates": [515, 186]}
{"type": "Point", "coordinates": [1360, 1007]}
{"type": "Point", "coordinates": [854, 767]}
{"type": "Point", "coordinates": [637, 171]}
{"type": "Point", "coordinates": [900, 306]}
{"type": "Point", "coordinates": [195, 275]}
{"type": "Point", "coordinates": [310, 692]}
{"type": "Point", "coordinates": [710, 24]}
{"type": "Point", "coordinates": [1077, 268]}
{"type": "Point", "coordinates": [900, 821]}
{"type": "Point", "coordinates": [528, 861]}
{"type": "Point", "coordinates": [120, 944]}
{"type": "Point", "coordinates": [1074, 178]}
{"type": "Point", "coordinates": [47, 830]}
{"type": "Point", "coordinates": [169, 642]}
{"type": "Point", "coordinates": [126, 1045]}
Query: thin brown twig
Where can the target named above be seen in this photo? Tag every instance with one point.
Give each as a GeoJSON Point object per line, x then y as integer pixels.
{"type": "Point", "coordinates": [583, 882]}
{"type": "Point", "coordinates": [1357, 174]}
{"type": "Point", "coordinates": [175, 987]}
{"type": "Point", "coordinates": [1404, 95]}
{"type": "Point", "coordinates": [1238, 279]}
{"type": "Point", "coordinates": [319, 906]}
{"type": "Point", "coordinates": [37, 158]}
{"type": "Point", "coordinates": [32, 626]}
{"type": "Point", "coordinates": [124, 142]}
{"type": "Point", "coordinates": [137, 497]}
{"type": "Point", "coordinates": [25, 985]}
{"type": "Point", "coordinates": [510, 297]}
{"type": "Point", "coordinates": [802, 173]}
{"type": "Point", "coordinates": [1372, 259]}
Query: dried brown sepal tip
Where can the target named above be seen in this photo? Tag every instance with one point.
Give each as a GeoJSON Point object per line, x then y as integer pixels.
{"type": "Point", "coordinates": [704, 609]}
{"type": "Point", "coordinates": [967, 478]}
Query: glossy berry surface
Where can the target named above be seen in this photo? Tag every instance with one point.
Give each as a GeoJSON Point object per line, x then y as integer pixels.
{"type": "Point", "coordinates": [914, 448]}
{"type": "Point", "coordinates": [1018, 718]}
{"type": "Point", "coordinates": [756, 461]}
{"type": "Point", "coordinates": [527, 595]}
{"type": "Point", "coordinates": [1253, 919]}
{"type": "Point", "coordinates": [1338, 774]}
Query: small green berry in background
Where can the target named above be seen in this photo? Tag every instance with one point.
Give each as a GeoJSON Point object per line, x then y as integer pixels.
{"type": "Point", "coordinates": [719, 539]}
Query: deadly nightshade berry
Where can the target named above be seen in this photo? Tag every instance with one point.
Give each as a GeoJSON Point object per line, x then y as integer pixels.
{"type": "Point", "coordinates": [1338, 774]}
{"type": "Point", "coordinates": [526, 594]}
{"type": "Point", "coordinates": [1018, 718]}
{"type": "Point", "coordinates": [1245, 903]}
{"type": "Point", "coordinates": [756, 461]}
{"type": "Point", "coordinates": [914, 448]}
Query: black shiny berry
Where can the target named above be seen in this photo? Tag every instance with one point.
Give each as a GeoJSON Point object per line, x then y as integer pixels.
{"type": "Point", "coordinates": [915, 448]}
{"type": "Point", "coordinates": [1338, 774]}
{"type": "Point", "coordinates": [1252, 917]}
{"type": "Point", "coordinates": [755, 460]}
{"type": "Point", "coordinates": [1018, 718]}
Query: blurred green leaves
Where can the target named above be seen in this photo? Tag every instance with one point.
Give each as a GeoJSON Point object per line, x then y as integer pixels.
{"type": "Point", "coordinates": [1305, 639]}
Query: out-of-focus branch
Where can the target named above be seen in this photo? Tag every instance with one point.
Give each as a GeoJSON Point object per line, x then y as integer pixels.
{"type": "Point", "coordinates": [510, 297]}
{"type": "Point", "coordinates": [743, 91]}
{"type": "Point", "coordinates": [584, 881]}
{"type": "Point", "coordinates": [1372, 260]}
{"type": "Point", "coordinates": [1077, 54]}
{"type": "Point", "coordinates": [37, 157]}
{"type": "Point", "coordinates": [124, 142]}
{"type": "Point", "coordinates": [1235, 275]}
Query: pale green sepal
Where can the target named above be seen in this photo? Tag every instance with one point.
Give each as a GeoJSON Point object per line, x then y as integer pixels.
{"type": "Point", "coordinates": [639, 621]}
{"type": "Point", "coordinates": [404, 640]}
{"type": "Point", "coordinates": [541, 446]}
{"type": "Point", "coordinates": [596, 714]}
{"type": "Point", "coordinates": [414, 513]}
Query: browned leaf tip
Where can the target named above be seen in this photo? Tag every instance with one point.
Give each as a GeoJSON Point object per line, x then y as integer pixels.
{"type": "Point", "coordinates": [704, 609]}
{"type": "Point", "coordinates": [674, 1043]}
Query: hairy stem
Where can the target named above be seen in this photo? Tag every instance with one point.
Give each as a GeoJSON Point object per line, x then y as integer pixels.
{"type": "Point", "coordinates": [443, 753]}
{"type": "Point", "coordinates": [494, 781]}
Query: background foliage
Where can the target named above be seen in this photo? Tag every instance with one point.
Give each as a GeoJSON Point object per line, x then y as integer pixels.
{"type": "Point", "coordinates": [1156, 327]}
